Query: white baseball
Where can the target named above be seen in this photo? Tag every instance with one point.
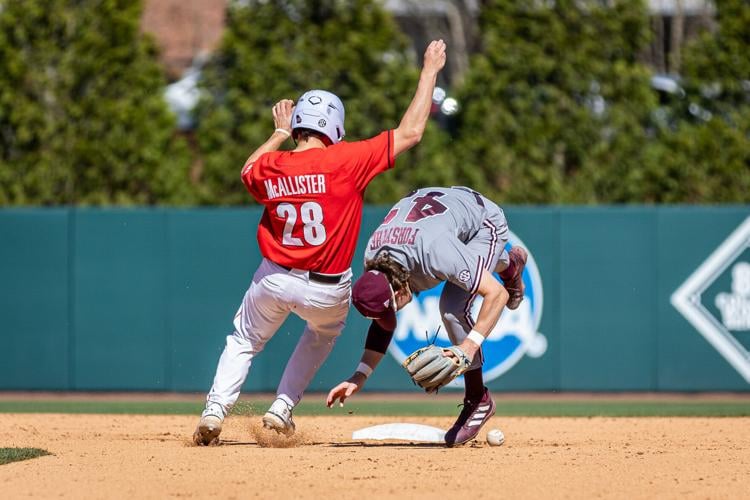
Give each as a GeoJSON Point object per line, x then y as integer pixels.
{"type": "Point", "coordinates": [495, 437]}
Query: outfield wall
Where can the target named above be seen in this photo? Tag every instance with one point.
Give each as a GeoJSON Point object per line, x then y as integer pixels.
{"type": "Point", "coordinates": [117, 299]}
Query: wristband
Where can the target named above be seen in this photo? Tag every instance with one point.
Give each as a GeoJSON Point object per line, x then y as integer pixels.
{"type": "Point", "coordinates": [476, 337]}
{"type": "Point", "coordinates": [364, 369]}
{"type": "Point", "coordinates": [283, 131]}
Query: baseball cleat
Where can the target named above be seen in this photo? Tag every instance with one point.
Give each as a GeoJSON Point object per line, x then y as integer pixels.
{"type": "Point", "coordinates": [208, 430]}
{"type": "Point", "coordinates": [473, 416]}
{"type": "Point", "coordinates": [514, 285]}
{"type": "Point", "coordinates": [279, 418]}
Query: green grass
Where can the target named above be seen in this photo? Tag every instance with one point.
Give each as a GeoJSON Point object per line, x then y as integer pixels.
{"type": "Point", "coordinates": [419, 407]}
{"type": "Point", "coordinates": [8, 455]}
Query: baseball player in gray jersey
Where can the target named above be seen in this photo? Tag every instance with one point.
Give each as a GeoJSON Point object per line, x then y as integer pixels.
{"type": "Point", "coordinates": [453, 235]}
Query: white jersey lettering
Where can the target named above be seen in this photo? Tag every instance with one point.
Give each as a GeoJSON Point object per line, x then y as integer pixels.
{"type": "Point", "coordinates": [321, 183]}
{"type": "Point", "coordinates": [295, 185]}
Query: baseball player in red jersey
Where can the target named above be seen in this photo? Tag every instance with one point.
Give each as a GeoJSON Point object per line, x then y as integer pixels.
{"type": "Point", "coordinates": [313, 198]}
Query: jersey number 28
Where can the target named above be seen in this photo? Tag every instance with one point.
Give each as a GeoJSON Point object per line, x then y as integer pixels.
{"type": "Point", "coordinates": [313, 229]}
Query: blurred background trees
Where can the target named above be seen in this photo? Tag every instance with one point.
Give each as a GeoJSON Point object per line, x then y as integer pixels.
{"type": "Point", "coordinates": [82, 117]}
{"type": "Point", "coordinates": [703, 155]}
{"type": "Point", "coordinates": [555, 102]}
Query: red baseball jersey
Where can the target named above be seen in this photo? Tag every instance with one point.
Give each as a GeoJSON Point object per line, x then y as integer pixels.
{"type": "Point", "coordinates": [313, 201]}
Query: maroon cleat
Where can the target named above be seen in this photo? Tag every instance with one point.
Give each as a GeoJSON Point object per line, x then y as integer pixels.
{"type": "Point", "coordinates": [515, 285]}
{"type": "Point", "coordinates": [473, 416]}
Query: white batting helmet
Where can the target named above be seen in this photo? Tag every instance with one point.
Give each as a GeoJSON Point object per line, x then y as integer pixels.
{"type": "Point", "coordinates": [321, 111]}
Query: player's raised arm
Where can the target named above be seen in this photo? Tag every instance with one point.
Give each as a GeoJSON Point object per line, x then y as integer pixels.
{"type": "Point", "coordinates": [282, 120]}
{"type": "Point", "coordinates": [409, 131]}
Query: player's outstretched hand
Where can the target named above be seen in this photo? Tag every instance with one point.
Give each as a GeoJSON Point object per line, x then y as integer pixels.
{"type": "Point", "coordinates": [282, 114]}
{"type": "Point", "coordinates": [434, 56]}
{"type": "Point", "coordinates": [343, 391]}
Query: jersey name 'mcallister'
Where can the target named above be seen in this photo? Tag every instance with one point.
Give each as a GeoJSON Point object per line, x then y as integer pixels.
{"type": "Point", "coordinates": [295, 184]}
{"type": "Point", "coordinates": [393, 236]}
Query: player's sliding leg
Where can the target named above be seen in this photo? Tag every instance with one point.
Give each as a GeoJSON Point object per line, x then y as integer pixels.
{"type": "Point", "coordinates": [231, 372]}
{"type": "Point", "coordinates": [323, 328]}
{"type": "Point", "coordinates": [478, 406]}
{"type": "Point", "coordinates": [258, 318]}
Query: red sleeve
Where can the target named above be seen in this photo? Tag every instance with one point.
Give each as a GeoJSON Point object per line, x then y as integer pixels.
{"type": "Point", "coordinates": [368, 158]}
{"type": "Point", "coordinates": [247, 176]}
{"type": "Point", "coordinates": [251, 182]}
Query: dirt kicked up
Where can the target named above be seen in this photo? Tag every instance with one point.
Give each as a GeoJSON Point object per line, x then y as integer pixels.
{"type": "Point", "coordinates": [128, 456]}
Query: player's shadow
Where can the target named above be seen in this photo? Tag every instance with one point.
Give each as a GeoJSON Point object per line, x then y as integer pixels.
{"type": "Point", "coordinates": [230, 442]}
{"type": "Point", "coordinates": [364, 444]}
{"type": "Point", "coordinates": [352, 444]}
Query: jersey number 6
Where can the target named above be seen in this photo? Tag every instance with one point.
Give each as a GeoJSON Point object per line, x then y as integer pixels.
{"type": "Point", "coordinates": [313, 229]}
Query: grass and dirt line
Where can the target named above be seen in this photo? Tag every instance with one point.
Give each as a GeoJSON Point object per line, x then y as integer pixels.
{"type": "Point", "coordinates": [417, 407]}
{"type": "Point", "coordinates": [8, 455]}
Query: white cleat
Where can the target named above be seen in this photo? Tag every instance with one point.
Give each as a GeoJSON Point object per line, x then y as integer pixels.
{"type": "Point", "coordinates": [209, 427]}
{"type": "Point", "coordinates": [279, 418]}
{"type": "Point", "coordinates": [208, 431]}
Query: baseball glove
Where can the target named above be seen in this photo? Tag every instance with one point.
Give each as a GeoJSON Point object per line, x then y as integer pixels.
{"type": "Point", "coordinates": [430, 370]}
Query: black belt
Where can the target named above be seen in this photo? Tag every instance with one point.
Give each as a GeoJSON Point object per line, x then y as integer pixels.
{"type": "Point", "coordinates": [329, 279]}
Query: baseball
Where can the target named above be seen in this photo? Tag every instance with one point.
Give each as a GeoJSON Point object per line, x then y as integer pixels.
{"type": "Point", "coordinates": [495, 437]}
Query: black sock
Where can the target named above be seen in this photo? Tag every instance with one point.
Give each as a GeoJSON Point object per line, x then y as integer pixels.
{"type": "Point", "coordinates": [474, 384]}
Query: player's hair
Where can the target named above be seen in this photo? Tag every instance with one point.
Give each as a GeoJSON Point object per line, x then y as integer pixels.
{"type": "Point", "coordinates": [299, 134]}
{"type": "Point", "coordinates": [396, 274]}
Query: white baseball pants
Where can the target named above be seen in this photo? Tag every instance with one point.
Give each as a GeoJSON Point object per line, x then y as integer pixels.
{"type": "Point", "coordinates": [274, 293]}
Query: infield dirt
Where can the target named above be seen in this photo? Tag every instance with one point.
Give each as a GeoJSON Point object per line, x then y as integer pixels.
{"type": "Point", "coordinates": [127, 456]}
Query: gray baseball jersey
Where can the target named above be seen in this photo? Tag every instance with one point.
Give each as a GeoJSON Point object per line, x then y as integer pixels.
{"type": "Point", "coordinates": [443, 234]}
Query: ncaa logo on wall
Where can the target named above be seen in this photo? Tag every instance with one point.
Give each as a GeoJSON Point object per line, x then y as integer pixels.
{"type": "Point", "coordinates": [516, 333]}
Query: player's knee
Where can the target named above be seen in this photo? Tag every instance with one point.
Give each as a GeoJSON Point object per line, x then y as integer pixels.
{"type": "Point", "coordinates": [448, 317]}
{"type": "Point", "coordinates": [453, 313]}
{"type": "Point", "coordinates": [327, 333]}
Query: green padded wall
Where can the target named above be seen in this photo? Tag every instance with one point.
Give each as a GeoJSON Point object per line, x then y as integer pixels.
{"type": "Point", "coordinates": [142, 299]}
{"type": "Point", "coordinates": [35, 319]}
